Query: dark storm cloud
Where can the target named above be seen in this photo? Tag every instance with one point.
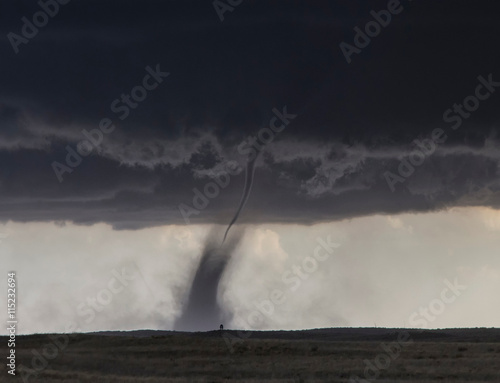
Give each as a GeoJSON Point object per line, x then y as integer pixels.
{"type": "Point", "coordinates": [355, 121]}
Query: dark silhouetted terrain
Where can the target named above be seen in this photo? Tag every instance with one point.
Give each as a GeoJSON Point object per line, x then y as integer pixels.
{"type": "Point", "coordinates": [321, 355]}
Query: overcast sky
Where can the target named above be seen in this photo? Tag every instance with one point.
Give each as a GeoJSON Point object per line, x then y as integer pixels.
{"type": "Point", "coordinates": [126, 137]}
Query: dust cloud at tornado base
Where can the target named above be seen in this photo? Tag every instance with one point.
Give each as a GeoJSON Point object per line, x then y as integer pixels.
{"type": "Point", "coordinates": [202, 311]}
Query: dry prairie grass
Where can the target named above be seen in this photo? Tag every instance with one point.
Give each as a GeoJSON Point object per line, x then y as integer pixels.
{"type": "Point", "coordinates": [206, 359]}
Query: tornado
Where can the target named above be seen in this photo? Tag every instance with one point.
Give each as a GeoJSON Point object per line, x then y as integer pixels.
{"type": "Point", "coordinates": [202, 311]}
{"type": "Point", "coordinates": [249, 175]}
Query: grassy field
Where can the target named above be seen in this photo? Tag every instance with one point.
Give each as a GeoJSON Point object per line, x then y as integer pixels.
{"type": "Point", "coordinates": [334, 355]}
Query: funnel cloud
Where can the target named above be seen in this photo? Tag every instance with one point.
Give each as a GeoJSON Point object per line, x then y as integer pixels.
{"type": "Point", "coordinates": [202, 311]}
{"type": "Point", "coordinates": [249, 174]}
